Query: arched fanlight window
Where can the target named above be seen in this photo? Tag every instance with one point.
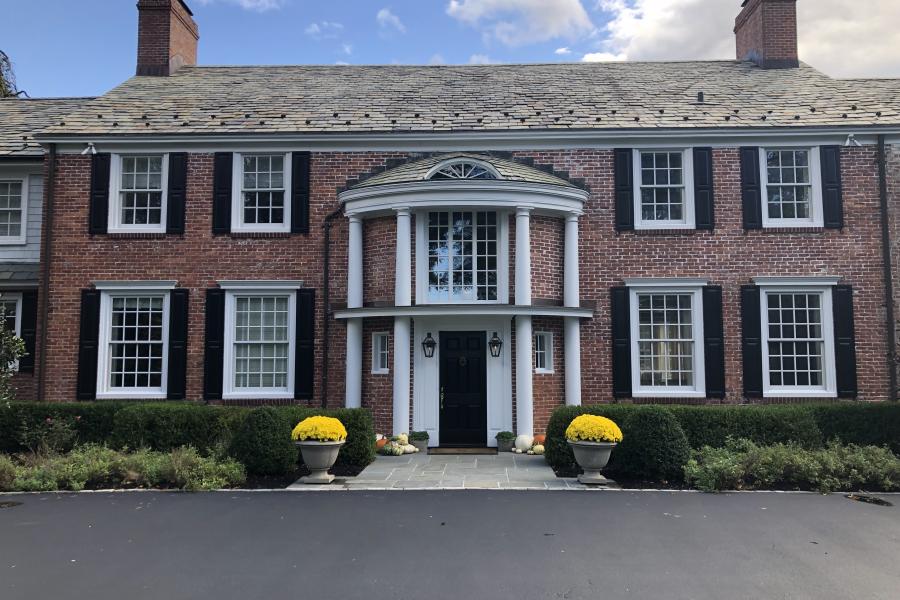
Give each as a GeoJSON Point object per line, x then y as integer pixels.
{"type": "Point", "coordinates": [464, 169]}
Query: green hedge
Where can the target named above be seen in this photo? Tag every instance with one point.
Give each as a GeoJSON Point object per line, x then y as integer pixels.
{"type": "Point", "coordinates": [94, 422]}
{"type": "Point", "coordinates": [166, 426]}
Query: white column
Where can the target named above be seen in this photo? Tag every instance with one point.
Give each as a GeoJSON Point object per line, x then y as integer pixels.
{"type": "Point", "coordinates": [524, 392]}
{"type": "Point", "coordinates": [402, 297]}
{"type": "Point", "coordinates": [523, 256]}
{"type": "Point", "coordinates": [572, 299]}
{"type": "Point", "coordinates": [403, 264]}
{"type": "Point", "coordinates": [353, 376]}
{"type": "Point", "coordinates": [401, 375]}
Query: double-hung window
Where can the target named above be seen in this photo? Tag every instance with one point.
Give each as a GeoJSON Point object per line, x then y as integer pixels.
{"type": "Point", "coordinates": [13, 194]}
{"type": "Point", "coordinates": [667, 341]}
{"type": "Point", "coordinates": [134, 335]}
{"type": "Point", "coordinates": [260, 343]}
{"type": "Point", "coordinates": [138, 188]}
{"type": "Point", "coordinates": [798, 341]}
{"type": "Point", "coordinates": [664, 189]}
{"type": "Point", "coordinates": [792, 195]}
{"type": "Point", "coordinates": [261, 195]}
{"type": "Point", "coordinates": [380, 353]}
{"type": "Point", "coordinates": [543, 352]}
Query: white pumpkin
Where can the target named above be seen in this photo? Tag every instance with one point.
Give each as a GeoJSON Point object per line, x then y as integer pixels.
{"type": "Point", "coordinates": [524, 442]}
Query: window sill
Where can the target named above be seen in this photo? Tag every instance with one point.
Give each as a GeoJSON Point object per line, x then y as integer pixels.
{"type": "Point", "coordinates": [670, 231]}
{"type": "Point", "coordinates": [384, 372]}
{"type": "Point", "coordinates": [260, 234]}
{"type": "Point", "coordinates": [799, 393]}
{"type": "Point", "coordinates": [131, 395]}
{"type": "Point", "coordinates": [664, 395]}
{"type": "Point", "coordinates": [138, 235]}
{"type": "Point", "coordinates": [791, 229]}
{"type": "Point", "coordinates": [13, 241]}
{"type": "Point", "coordinates": [259, 396]}
{"type": "Point", "coordinates": [544, 372]}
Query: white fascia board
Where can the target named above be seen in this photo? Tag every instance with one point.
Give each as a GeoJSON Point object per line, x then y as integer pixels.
{"type": "Point", "coordinates": [463, 311]}
{"type": "Point", "coordinates": [664, 282]}
{"type": "Point", "coordinates": [260, 285]}
{"type": "Point", "coordinates": [127, 286]}
{"type": "Point", "coordinates": [650, 137]}
{"type": "Point", "coordinates": [781, 281]}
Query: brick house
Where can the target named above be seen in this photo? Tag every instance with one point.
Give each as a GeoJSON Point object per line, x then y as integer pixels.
{"type": "Point", "coordinates": [463, 249]}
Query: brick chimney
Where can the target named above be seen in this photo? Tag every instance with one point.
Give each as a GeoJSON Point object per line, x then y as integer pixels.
{"type": "Point", "coordinates": [167, 37]}
{"type": "Point", "coordinates": [766, 32]}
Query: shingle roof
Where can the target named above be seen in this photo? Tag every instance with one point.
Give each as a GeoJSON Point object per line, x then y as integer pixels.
{"type": "Point", "coordinates": [18, 272]}
{"type": "Point", "coordinates": [21, 118]}
{"type": "Point", "coordinates": [418, 170]}
{"type": "Point", "coordinates": [602, 96]}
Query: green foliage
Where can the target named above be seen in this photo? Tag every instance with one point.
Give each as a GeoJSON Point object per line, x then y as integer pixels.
{"type": "Point", "coordinates": [742, 464]}
{"type": "Point", "coordinates": [166, 426]}
{"type": "Point", "coordinates": [713, 425]}
{"type": "Point", "coordinates": [99, 467]}
{"type": "Point", "coordinates": [653, 447]}
{"type": "Point", "coordinates": [50, 436]}
{"type": "Point", "coordinates": [12, 348]}
{"type": "Point", "coordinates": [507, 436]}
{"type": "Point", "coordinates": [7, 77]}
{"type": "Point", "coordinates": [263, 443]}
{"type": "Point", "coordinates": [860, 423]}
{"type": "Point", "coordinates": [418, 436]}
{"type": "Point", "coordinates": [92, 421]}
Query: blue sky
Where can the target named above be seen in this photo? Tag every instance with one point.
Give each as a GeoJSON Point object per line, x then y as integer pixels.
{"type": "Point", "coordinates": [85, 47]}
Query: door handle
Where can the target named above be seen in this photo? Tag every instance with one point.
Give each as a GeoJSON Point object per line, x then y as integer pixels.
{"type": "Point", "coordinates": [442, 397]}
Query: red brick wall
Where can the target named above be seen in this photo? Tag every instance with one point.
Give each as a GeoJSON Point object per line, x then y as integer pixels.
{"type": "Point", "coordinates": [766, 33]}
{"type": "Point", "coordinates": [378, 389]}
{"type": "Point", "coordinates": [548, 389]}
{"type": "Point", "coordinates": [547, 241]}
{"type": "Point", "coordinates": [167, 37]}
{"type": "Point", "coordinates": [379, 252]}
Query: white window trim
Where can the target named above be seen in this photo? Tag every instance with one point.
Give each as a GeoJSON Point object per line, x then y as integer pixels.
{"type": "Point", "coordinates": [135, 286]}
{"type": "Point", "coordinates": [376, 369]}
{"type": "Point", "coordinates": [104, 390]}
{"type": "Point", "coordinates": [503, 266]}
{"type": "Point", "coordinates": [817, 216]}
{"type": "Point", "coordinates": [229, 391]}
{"type": "Point", "coordinates": [22, 238]}
{"type": "Point", "coordinates": [687, 163]}
{"type": "Point", "coordinates": [237, 192]}
{"type": "Point", "coordinates": [114, 223]}
{"type": "Point", "coordinates": [668, 287]}
{"type": "Point", "coordinates": [462, 160]}
{"type": "Point", "coordinates": [548, 353]}
{"type": "Point", "coordinates": [17, 297]}
{"type": "Point", "coordinates": [788, 285]}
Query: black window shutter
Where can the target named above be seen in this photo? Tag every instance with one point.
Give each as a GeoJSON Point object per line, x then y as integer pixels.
{"type": "Point", "coordinates": [620, 312]}
{"type": "Point", "coordinates": [703, 188]}
{"type": "Point", "coordinates": [751, 341]}
{"type": "Point", "coordinates": [832, 189]}
{"type": "Point", "coordinates": [223, 164]}
{"type": "Point", "coordinates": [178, 332]}
{"type": "Point", "coordinates": [28, 329]}
{"type": "Point", "coordinates": [300, 192]}
{"type": "Point", "coordinates": [177, 193]}
{"type": "Point", "coordinates": [304, 358]}
{"type": "Point", "coordinates": [713, 342]}
{"type": "Point", "coordinates": [844, 341]}
{"type": "Point", "coordinates": [751, 188]}
{"type": "Point", "coordinates": [99, 208]}
{"type": "Point", "coordinates": [214, 345]}
{"type": "Point", "coordinates": [88, 344]}
{"type": "Point", "coordinates": [624, 189]}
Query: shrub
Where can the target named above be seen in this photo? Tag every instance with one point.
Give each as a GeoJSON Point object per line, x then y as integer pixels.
{"type": "Point", "coordinates": [93, 421]}
{"type": "Point", "coordinates": [359, 449]}
{"type": "Point", "coordinates": [7, 473]}
{"type": "Point", "coordinates": [12, 348]}
{"type": "Point", "coordinates": [167, 426]}
{"type": "Point", "coordinates": [742, 464]}
{"type": "Point", "coordinates": [654, 447]}
{"type": "Point", "coordinates": [506, 436]}
{"type": "Point", "coordinates": [50, 436]}
{"type": "Point", "coordinates": [190, 471]}
{"type": "Point", "coordinates": [713, 425]}
{"type": "Point", "coordinates": [860, 423]}
{"type": "Point", "coordinates": [556, 449]}
{"type": "Point", "coordinates": [263, 443]}
{"type": "Point", "coordinates": [418, 436]}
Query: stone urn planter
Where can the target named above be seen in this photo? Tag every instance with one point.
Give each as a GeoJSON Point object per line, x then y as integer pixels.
{"type": "Point", "coordinates": [319, 458]}
{"type": "Point", "coordinates": [592, 458]}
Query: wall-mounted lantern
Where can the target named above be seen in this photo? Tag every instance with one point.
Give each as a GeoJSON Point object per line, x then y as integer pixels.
{"type": "Point", "coordinates": [495, 345]}
{"type": "Point", "coordinates": [428, 345]}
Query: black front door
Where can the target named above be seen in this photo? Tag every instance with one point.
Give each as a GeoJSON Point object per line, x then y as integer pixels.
{"type": "Point", "coordinates": [463, 392]}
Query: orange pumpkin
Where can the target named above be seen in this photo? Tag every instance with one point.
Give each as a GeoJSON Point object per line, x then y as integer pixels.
{"type": "Point", "coordinates": [381, 443]}
{"type": "Point", "coordinates": [539, 439]}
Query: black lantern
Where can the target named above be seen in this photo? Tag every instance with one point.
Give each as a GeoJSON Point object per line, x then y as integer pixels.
{"type": "Point", "coordinates": [428, 345]}
{"type": "Point", "coordinates": [495, 345]}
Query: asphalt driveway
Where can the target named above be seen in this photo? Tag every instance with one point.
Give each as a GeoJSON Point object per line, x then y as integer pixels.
{"type": "Point", "coordinates": [453, 545]}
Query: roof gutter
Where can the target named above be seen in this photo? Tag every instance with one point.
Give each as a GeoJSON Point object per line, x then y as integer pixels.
{"type": "Point", "coordinates": [326, 299]}
{"type": "Point", "coordinates": [46, 254]}
{"type": "Point", "coordinates": [888, 270]}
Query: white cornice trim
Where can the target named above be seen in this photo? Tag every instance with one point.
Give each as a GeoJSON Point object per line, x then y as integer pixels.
{"type": "Point", "coordinates": [136, 285]}
{"type": "Point", "coordinates": [787, 281]}
{"type": "Point", "coordinates": [463, 310]}
{"type": "Point", "coordinates": [229, 284]}
{"type": "Point", "coordinates": [664, 282]}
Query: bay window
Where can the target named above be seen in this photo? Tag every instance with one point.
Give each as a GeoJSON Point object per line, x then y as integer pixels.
{"type": "Point", "coordinates": [464, 254]}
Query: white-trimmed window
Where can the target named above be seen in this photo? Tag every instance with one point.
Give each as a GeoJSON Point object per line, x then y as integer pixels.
{"type": "Point", "coordinates": [543, 352]}
{"type": "Point", "coordinates": [13, 209]}
{"type": "Point", "coordinates": [138, 188]}
{"type": "Point", "coordinates": [134, 337]}
{"type": "Point", "coordinates": [664, 189]}
{"type": "Point", "coordinates": [792, 191]}
{"type": "Point", "coordinates": [260, 343]}
{"type": "Point", "coordinates": [798, 341]}
{"type": "Point", "coordinates": [11, 305]}
{"type": "Point", "coordinates": [380, 353]}
{"type": "Point", "coordinates": [261, 195]}
{"type": "Point", "coordinates": [463, 257]}
{"type": "Point", "coordinates": [667, 340]}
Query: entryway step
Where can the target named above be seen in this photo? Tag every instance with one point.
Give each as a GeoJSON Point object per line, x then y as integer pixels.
{"type": "Point", "coordinates": [453, 451]}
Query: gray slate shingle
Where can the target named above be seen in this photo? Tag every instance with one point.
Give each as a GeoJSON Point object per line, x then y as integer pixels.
{"type": "Point", "coordinates": [20, 118]}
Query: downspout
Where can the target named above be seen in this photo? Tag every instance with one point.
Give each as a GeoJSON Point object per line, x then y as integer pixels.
{"type": "Point", "coordinates": [888, 269]}
{"type": "Point", "coordinates": [44, 270]}
{"type": "Point", "coordinates": [326, 299]}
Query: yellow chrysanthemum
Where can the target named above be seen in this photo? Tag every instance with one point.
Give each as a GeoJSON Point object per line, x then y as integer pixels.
{"type": "Point", "coordinates": [319, 429]}
{"type": "Point", "coordinates": [591, 428]}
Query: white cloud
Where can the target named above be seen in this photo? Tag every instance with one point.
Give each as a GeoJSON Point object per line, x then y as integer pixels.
{"type": "Point", "coordinates": [481, 59]}
{"type": "Point", "coordinates": [841, 37]}
{"type": "Point", "coordinates": [562, 51]}
{"type": "Point", "coordinates": [388, 20]}
{"type": "Point", "coordinates": [517, 22]}
{"type": "Point", "coordinates": [324, 30]}
{"type": "Point", "coordinates": [603, 57]}
{"type": "Point", "coordinates": [254, 5]}
{"type": "Point", "coordinates": [437, 59]}
{"type": "Point", "coordinates": [347, 48]}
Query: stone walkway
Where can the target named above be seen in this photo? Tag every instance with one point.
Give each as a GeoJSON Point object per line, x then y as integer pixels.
{"type": "Point", "coordinates": [446, 472]}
